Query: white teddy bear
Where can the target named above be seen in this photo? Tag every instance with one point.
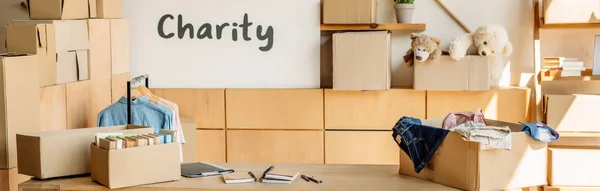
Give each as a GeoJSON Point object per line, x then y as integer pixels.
{"type": "Point", "coordinates": [486, 40]}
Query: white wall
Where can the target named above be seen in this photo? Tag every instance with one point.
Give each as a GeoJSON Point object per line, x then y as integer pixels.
{"type": "Point", "coordinates": [515, 15]}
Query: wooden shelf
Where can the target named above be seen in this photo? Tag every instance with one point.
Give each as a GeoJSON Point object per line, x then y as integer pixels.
{"type": "Point", "coordinates": [572, 26]}
{"type": "Point", "coordinates": [361, 27]}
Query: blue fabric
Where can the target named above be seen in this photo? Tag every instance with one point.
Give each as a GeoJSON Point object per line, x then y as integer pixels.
{"type": "Point", "coordinates": [418, 141]}
{"type": "Point", "coordinates": [168, 110]}
{"type": "Point", "coordinates": [143, 113]}
{"type": "Point", "coordinates": [540, 132]}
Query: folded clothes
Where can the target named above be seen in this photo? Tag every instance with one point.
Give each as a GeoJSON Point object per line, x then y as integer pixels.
{"type": "Point", "coordinates": [418, 141]}
{"type": "Point", "coordinates": [456, 118]}
{"type": "Point", "coordinates": [491, 137]}
{"type": "Point", "coordinates": [540, 132]}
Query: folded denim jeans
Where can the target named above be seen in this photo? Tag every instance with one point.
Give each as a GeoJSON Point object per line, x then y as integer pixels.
{"type": "Point", "coordinates": [540, 132]}
{"type": "Point", "coordinates": [418, 141]}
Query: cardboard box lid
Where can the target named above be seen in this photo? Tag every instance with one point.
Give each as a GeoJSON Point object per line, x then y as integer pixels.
{"type": "Point", "coordinates": [572, 113]}
{"type": "Point", "coordinates": [349, 11]}
{"type": "Point", "coordinates": [469, 73]}
{"type": "Point", "coordinates": [62, 153]}
{"type": "Point", "coordinates": [362, 60]}
{"type": "Point", "coordinates": [69, 34]}
{"type": "Point", "coordinates": [58, 9]}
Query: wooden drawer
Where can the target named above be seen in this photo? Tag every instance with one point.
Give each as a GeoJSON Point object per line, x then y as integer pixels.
{"type": "Point", "coordinates": [53, 108]}
{"type": "Point", "coordinates": [361, 147]}
{"type": "Point", "coordinates": [210, 145]}
{"type": "Point", "coordinates": [505, 104]}
{"type": "Point", "coordinates": [205, 106]}
{"type": "Point", "coordinates": [371, 109]}
{"type": "Point", "coordinates": [274, 108]}
{"type": "Point", "coordinates": [275, 146]}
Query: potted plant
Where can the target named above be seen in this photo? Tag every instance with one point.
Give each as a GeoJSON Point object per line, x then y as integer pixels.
{"type": "Point", "coordinates": [404, 10]}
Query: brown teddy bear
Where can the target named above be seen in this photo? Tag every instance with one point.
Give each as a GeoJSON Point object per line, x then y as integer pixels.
{"type": "Point", "coordinates": [423, 48]}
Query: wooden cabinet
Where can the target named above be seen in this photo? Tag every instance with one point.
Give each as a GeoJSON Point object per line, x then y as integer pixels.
{"type": "Point", "coordinates": [361, 147]}
{"type": "Point", "coordinates": [505, 104]}
{"type": "Point", "coordinates": [275, 146]}
{"type": "Point", "coordinates": [10, 179]}
{"type": "Point", "coordinates": [205, 106]}
{"type": "Point", "coordinates": [274, 108]}
{"type": "Point", "coordinates": [210, 145]}
{"type": "Point", "coordinates": [371, 109]}
{"type": "Point", "coordinates": [85, 99]}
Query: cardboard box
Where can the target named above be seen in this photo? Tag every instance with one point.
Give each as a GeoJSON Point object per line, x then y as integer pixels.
{"type": "Point", "coordinates": [62, 153]}
{"type": "Point", "coordinates": [506, 104]}
{"type": "Point", "coordinates": [135, 166]}
{"type": "Point", "coordinates": [471, 73]}
{"type": "Point", "coordinates": [53, 101]}
{"type": "Point", "coordinates": [119, 46]}
{"type": "Point", "coordinates": [573, 167]}
{"type": "Point", "coordinates": [66, 42]}
{"type": "Point", "coordinates": [571, 87]}
{"type": "Point", "coordinates": [375, 110]}
{"type": "Point", "coordinates": [58, 9]}
{"type": "Point", "coordinates": [464, 165]}
{"type": "Point", "coordinates": [563, 11]}
{"type": "Point", "coordinates": [39, 39]}
{"type": "Point", "coordinates": [361, 61]}
{"type": "Point", "coordinates": [85, 99]}
{"type": "Point", "coordinates": [19, 103]}
{"type": "Point", "coordinates": [349, 11]}
{"type": "Point", "coordinates": [572, 113]}
{"type": "Point", "coordinates": [576, 140]}
{"type": "Point", "coordinates": [108, 9]}
{"type": "Point", "coordinates": [99, 53]}
{"type": "Point", "coordinates": [119, 86]}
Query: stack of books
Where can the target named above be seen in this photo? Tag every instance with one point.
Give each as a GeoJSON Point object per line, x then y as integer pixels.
{"type": "Point", "coordinates": [569, 66]}
{"type": "Point", "coordinates": [280, 177]}
{"type": "Point", "coordinates": [110, 141]}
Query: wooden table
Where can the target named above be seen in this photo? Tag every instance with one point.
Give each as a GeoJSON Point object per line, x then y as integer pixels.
{"type": "Point", "coordinates": [334, 177]}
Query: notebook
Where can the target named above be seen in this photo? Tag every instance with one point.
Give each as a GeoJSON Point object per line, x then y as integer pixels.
{"type": "Point", "coordinates": [280, 177]}
{"type": "Point", "coordinates": [201, 169]}
{"type": "Point", "coordinates": [237, 177]}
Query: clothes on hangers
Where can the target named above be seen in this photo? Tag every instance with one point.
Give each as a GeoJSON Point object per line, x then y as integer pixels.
{"type": "Point", "coordinates": [143, 113]}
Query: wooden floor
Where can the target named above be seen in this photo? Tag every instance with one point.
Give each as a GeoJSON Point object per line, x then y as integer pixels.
{"type": "Point", "coordinates": [334, 177]}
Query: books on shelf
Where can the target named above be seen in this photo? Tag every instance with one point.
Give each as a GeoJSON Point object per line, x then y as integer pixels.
{"type": "Point", "coordinates": [111, 141]}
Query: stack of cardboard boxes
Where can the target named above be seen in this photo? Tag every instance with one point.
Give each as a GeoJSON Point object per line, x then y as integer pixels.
{"type": "Point", "coordinates": [80, 51]}
{"type": "Point", "coordinates": [361, 60]}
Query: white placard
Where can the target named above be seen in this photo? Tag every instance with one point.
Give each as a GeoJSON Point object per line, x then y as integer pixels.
{"type": "Point", "coordinates": [279, 49]}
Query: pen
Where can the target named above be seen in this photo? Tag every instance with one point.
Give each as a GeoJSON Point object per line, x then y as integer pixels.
{"type": "Point", "coordinates": [252, 175]}
{"type": "Point", "coordinates": [267, 171]}
{"type": "Point", "coordinates": [304, 177]}
{"type": "Point", "coordinates": [315, 180]}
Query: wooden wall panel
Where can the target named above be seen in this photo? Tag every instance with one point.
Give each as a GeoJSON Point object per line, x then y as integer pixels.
{"type": "Point", "coordinates": [361, 147]}
{"type": "Point", "coordinates": [275, 146]}
{"type": "Point", "coordinates": [274, 108]}
{"type": "Point", "coordinates": [210, 145]}
{"type": "Point", "coordinates": [506, 104]}
{"type": "Point", "coordinates": [371, 109]}
{"type": "Point", "coordinates": [85, 99]}
{"type": "Point", "coordinates": [205, 106]}
{"type": "Point", "coordinates": [119, 86]}
{"type": "Point", "coordinates": [53, 108]}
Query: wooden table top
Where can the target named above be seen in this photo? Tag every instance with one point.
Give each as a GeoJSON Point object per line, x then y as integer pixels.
{"type": "Point", "coordinates": [334, 177]}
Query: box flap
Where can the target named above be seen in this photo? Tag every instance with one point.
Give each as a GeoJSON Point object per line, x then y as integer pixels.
{"type": "Point", "coordinates": [93, 8]}
{"type": "Point", "coordinates": [41, 34]}
{"type": "Point", "coordinates": [28, 151]}
{"type": "Point", "coordinates": [82, 65]}
{"type": "Point", "coordinates": [66, 67]}
{"type": "Point", "coordinates": [75, 9]}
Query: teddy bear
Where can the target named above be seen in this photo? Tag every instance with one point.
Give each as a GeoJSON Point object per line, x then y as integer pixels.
{"type": "Point", "coordinates": [487, 40]}
{"type": "Point", "coordinates": [423, 48]}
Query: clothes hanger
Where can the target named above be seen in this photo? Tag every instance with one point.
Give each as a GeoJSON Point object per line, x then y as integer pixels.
{"type": "Point", "coordinates": [145, 91]}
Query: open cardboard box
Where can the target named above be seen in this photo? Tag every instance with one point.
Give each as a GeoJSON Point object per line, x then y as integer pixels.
{"type": "Point", "coordinates": [62, 153]}
{"type": "Point", "coordinates": [464, 165]}
{"type": "Point", "coordinates": [471, 73]}
{"type": "Point", "coordinates": [135, 166]}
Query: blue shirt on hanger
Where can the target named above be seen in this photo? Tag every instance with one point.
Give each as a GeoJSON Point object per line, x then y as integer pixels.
{"type": "Point", "coordinates": [143, 113]}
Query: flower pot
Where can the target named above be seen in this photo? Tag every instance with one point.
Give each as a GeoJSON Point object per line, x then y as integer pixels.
{"type": "Point", "coordinates": [404, 12]}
